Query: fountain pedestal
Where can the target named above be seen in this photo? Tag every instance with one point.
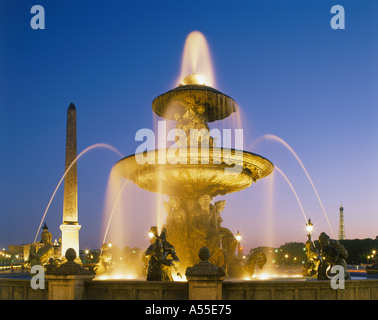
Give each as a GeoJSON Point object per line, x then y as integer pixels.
{"type": "Point", "coordinates": [194, 222]}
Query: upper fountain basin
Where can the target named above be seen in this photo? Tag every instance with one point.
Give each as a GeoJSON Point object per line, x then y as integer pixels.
{"type": "Point", "coordinates": [213, 104]}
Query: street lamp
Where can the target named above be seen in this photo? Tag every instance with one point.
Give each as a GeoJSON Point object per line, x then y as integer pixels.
{"type": "Point", "coordinates": [152, 234]}
{"type": "Point", "coordinates": [238, 237]}
{"type": "Point", "coordinates": [309, 227]}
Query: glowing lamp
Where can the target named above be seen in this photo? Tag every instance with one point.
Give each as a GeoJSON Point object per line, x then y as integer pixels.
{"type": "Point", "coordinates": [309, 226]}
{"type": "Point", "coordinates": [238, 236]}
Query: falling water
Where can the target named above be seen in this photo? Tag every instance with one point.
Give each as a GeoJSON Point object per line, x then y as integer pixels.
{"type": "Point", "coordinates": [94, 146]}
{"type": "Point", "coordinates": [115, 204]}
{"type": "Point", "coordinates": [161, 214]}
{"type": "Point", "coordinates": [118, 228]}
{"type": "Point", "coordinates": [269, 196]}
{"type": "Point", "coordinates": [292, 188]}
{"type": "Point", "coordinates": [284, 143]}
{"type": "Point", "coordinates": [196, 59]}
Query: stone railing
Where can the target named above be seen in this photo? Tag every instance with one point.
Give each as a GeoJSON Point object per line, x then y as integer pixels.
{"type": "Point", "coordinates": [299, 290]}
{"type": "Point", "coordinates": [135, 290]}
{"type": "Point", "coordinates": [205, 282]}
{"type": "Point", "coordinates": [20, 289]}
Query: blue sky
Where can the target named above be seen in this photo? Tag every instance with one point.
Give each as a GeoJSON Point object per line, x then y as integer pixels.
{"type": "Point", "coordinates": [291, 74]}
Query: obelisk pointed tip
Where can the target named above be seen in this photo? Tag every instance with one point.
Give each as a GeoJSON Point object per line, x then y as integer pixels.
{"type": "Point", "coordinates": [72, 106]}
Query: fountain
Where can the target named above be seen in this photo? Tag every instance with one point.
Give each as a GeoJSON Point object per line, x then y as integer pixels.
{"type": "Point", "coordinates": [194, 171]}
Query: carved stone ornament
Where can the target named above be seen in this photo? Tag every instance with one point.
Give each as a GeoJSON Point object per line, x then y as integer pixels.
{"type": "Point", "coordinates": [204, 269]}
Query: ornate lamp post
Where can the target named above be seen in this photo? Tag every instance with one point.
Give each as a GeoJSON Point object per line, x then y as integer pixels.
{"type": "Point", "coordinates": [310, 268]}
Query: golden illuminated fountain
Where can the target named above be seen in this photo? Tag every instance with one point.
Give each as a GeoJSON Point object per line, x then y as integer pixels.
{"type": "Point", "coordinates": [194, 171]}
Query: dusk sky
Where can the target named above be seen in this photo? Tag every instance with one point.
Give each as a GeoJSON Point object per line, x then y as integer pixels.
{"type": "Point", "coordinates": [292, 75]}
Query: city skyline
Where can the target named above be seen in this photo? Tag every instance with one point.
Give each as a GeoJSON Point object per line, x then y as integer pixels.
{"type": "Point", "coordinates": [292, 75]}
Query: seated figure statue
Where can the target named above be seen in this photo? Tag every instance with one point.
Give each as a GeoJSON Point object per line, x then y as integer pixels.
{"type": "Point", "coordinates": [332, 253]}
{"type": "Point", "coordinates": [42, 255]}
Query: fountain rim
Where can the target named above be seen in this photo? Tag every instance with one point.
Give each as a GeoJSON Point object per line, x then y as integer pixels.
{"type": "Point", "coordinates": [254, 167]}
{"type": "Point", "coordinates": [210, 148]}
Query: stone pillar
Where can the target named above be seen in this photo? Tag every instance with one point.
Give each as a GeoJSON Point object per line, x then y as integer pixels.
{"type": "Point", "coordinates": [204, 278]}
{"type": "Point", "coordinates": [70, 227]}
{"type": "Point", "coordinates": [66, 282]}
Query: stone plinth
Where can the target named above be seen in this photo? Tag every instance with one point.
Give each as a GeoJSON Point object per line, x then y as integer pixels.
{"type": "Point", "coordinates": [67, 287]}
{"type": "Point", "coordinates": [70, 238]}
{"type": "Point", "coordinates": [66, 282]}
{"type": "Point", "coordinates": [205, 279]}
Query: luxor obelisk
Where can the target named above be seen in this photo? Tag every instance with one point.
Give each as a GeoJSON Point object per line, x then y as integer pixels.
{"type": "Point", "coordinates": [70, 226]}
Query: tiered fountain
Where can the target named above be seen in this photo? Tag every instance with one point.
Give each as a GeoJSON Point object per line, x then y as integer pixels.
{"type": "Point", "coordinates": [196, 171]}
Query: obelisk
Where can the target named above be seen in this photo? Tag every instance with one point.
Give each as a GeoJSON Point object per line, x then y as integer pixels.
{"type": "Point", "coordinates": [341, 224]}
{"type": "Point", "coordinates": [70, 226]}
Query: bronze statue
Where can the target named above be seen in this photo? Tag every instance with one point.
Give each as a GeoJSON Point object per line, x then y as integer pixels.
{"type": "Point", "coordinates": [195, 222]}
{"type": "Point", "coordinates": [51, 265]}
{"type": "Point", "coordinates": [163, 258]}
{"type": "Point", "coordinates": [313, 260]}
{"type": "Point", "coordinates": [229, 245]}
{"type": "Point", "coordinates": [104, 263]}
{"type": "Point", "coordinates": [42, 255]}
{"type": "Point", "coordinates": [193, 123]}
{"type": "Point", "coordinates": [256, 258]}
{"type": "Point", "coordinates": [245, 268]}
{"type": "Point", "coordinates": [332, 253]}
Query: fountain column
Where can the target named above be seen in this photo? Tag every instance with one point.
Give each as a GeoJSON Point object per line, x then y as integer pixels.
{"type": "Point", "coordinates": [70, 226]}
